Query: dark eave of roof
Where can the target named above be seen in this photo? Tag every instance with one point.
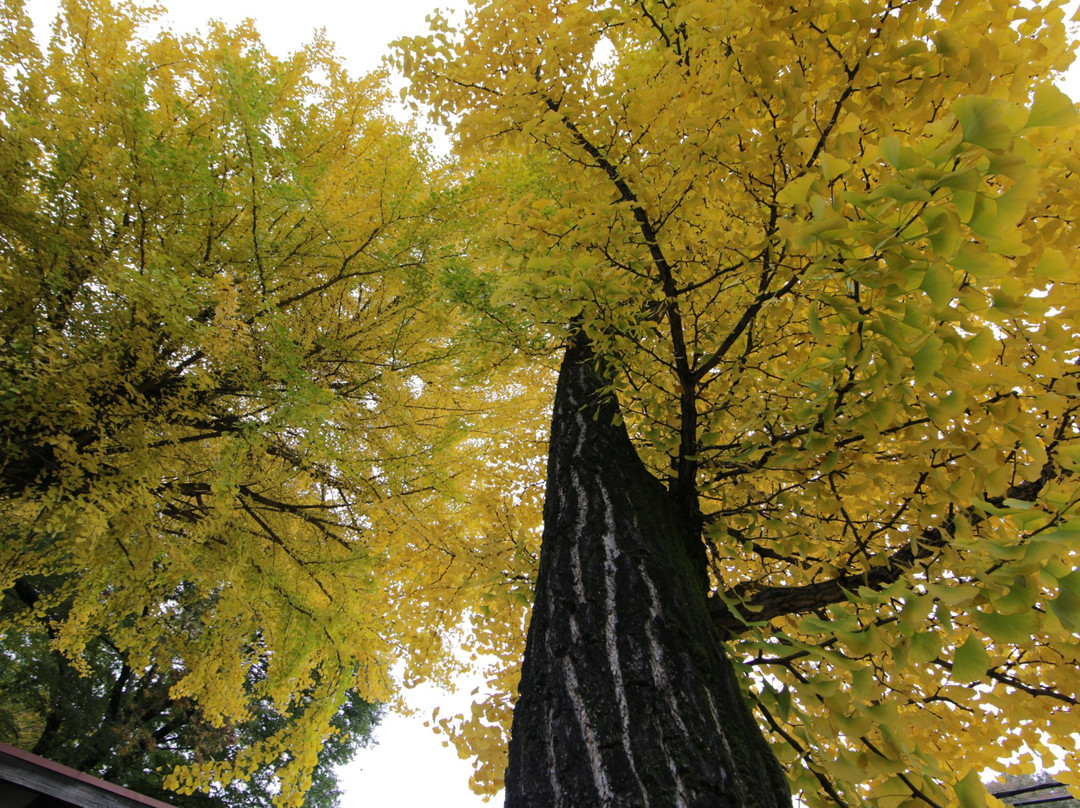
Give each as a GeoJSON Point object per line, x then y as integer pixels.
{"type": "Point", "coordinates": [31, 781]}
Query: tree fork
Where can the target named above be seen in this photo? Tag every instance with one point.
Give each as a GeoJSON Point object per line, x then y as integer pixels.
{"type": "Point", "coordinates": [627, 697]}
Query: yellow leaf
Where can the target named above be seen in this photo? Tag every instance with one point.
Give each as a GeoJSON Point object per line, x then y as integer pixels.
{"type": "Point", "coordinates": [797, 191]}
{"type": "Point", "coordinates": [833, 167]}
{"type": "Point", "coordinates": [1051, 107]}
{"type": "Point", "coordinates": [1052, 265]}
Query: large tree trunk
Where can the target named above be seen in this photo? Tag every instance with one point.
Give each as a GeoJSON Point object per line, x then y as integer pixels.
{"type": "Point", "coordinates": [626, 696]}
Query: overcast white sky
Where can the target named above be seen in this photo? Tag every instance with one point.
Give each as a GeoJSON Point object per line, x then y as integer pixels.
{"type": "Point", "coordinates": [409, 766]}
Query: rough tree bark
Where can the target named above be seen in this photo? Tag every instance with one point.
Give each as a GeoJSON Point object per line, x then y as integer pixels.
{"type": "Point", "coordinates": [627, 697]}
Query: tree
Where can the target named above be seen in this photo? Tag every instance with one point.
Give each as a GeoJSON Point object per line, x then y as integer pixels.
{"type": "Point", "coordinates": [228, 400]}
{"type": "Point", "coordinates": [823, 254]}
{"type": "Point", "coordinates": [122, 725]}
{"type": "Point", "coordinates": [614, 651]}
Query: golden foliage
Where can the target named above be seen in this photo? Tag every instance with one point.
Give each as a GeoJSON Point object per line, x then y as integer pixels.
{"type": "Point", "coordinates": [229, 380]}
{"type": "Point", "coordinates": [831, 247]}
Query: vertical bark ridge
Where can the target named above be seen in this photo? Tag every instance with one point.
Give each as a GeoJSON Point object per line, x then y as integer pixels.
{"type": "Point", "coordinates": [627, 697]}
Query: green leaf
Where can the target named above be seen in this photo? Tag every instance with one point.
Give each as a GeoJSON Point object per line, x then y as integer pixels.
{"type": "Point", "coordinates": [964, 179]}
{"type": "Point", "coordinates": [938, 285]}
{"type": "Point", "coordinates": [833, 167]}
{"type": "Point", "coordinates": [897, 331]}
{"type": "Point", "coordinates": [815, 625]}
{"type": "Point", "coordinates": [984, 216]}
{"type": "Point", "coordinates": [901, 192]}
{"type": "Point", "coordinates": [1011, 629]}
{"type": "Point", "coordinates": [925, 646]}
{"type": "Point", "coordinates": [814, 324]}
{"type": "Point", "coordinates": [860, 643]}
{"type": "Point", "coordinates": [1013, 204]}
{"type": "Point", "coordinates": [980, 263]}
{"type": "Point", "coordinates": [981, 121]}
{"type": "Point", "coordinates": [1066, 606]}
{"type": "Point", "coordinates": [948, 408]}
{"type": "Point", "coordinates": [711, 438]}
{"type": "Point", "coordinates": [928, 360]}
{"type": "Point", "coordinates": [943, 230]}
{"type": "Point", "coordinates": [862, 683]}
{"type": "Point", "coordinates": [916, 609]}
{"type": "Point", "coordinates": [1020, 598]}
{"type": "Point", "coordinates": [783, 703]}
{"type": "Point", "coordinates": [982, 346]}
{"type": "Point", "coordinates": [899, 156]}
{"type": "Point", "coordinates": [971, 792]}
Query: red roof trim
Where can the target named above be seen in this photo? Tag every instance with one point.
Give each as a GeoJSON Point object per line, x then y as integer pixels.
{"type": "Point", "coordinates": [58, 771]}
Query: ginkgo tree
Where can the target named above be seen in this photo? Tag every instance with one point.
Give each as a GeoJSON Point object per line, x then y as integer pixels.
{"type": "Point", "coordinates": [820, 259]}
{"type": "Point", "coordinates": [122, 725]}
{"type": "Point", "coordinates": [229, 398]}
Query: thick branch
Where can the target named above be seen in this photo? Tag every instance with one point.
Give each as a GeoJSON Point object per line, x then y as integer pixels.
{"type": "Point", "coordinates": [772, 602]}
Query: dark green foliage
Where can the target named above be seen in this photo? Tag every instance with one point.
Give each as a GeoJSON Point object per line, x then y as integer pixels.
{"type": "Point", "coordinates": [98, 715]}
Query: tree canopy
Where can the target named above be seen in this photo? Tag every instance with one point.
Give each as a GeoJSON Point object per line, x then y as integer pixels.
{"type": "Point", "coordinates": [228, 379]}
{"type": "Point", "coordinates": [121, 724]}
{"type": "Point", "coordinates": [830, 249]}
{"type": "Point", "coordinates": [266, 364]}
